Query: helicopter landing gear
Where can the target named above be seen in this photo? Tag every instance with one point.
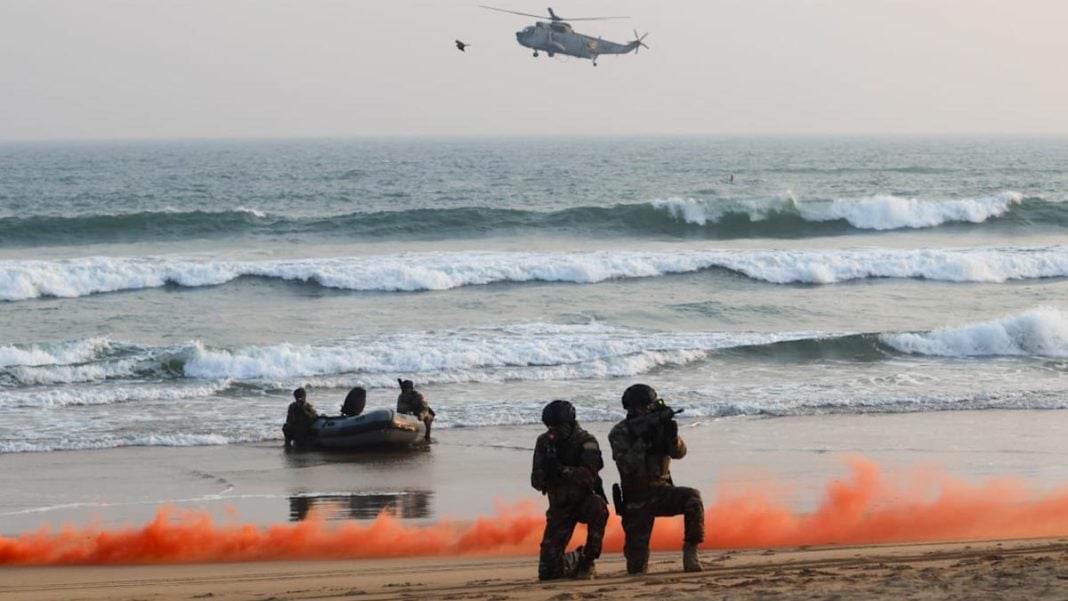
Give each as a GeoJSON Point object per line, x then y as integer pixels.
{"type": "Point", "coordinates": [551, 54]}
{"type": "Point", "coordinates": [535, 54]}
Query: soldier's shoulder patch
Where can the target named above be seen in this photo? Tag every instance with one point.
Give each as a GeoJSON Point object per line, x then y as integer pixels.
{"type": "Point", "coordinates": [590, 445]}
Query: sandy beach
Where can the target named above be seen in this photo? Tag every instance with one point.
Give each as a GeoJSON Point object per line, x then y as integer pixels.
{"type": "Point", "coordinates": [1017, 569]}
{"type": "Point", "coordinates": [796, 508]}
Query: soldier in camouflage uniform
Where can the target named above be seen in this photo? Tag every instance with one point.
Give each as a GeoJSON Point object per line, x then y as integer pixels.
{"type": "Point", "coordinates": [566, 462]}
{"type": "Point", "coordinates": [299, 418]}
{"type": "Point", "coordinates": [412, 402]}
{"type": "Point", "coordinates": [643, 446]}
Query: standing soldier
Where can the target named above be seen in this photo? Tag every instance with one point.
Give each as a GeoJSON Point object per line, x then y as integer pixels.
{"type": "Point", "coordinates": [643, 446]}
{"type": "Point", "coordinates": [566, 462]}
{"type": "Point", "coordinates": [412, 402]}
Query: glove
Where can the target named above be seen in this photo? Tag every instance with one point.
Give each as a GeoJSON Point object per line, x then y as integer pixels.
{"type": "Point", "coordinates": [671, 430]}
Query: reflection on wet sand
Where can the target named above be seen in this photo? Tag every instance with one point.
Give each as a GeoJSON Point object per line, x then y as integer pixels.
{"type": "Point", "coordinates": [371, 458]}
{"type": "Point", "coordinates": [409, 504]}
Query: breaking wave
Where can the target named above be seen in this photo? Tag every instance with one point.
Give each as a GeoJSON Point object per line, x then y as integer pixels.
{"type": "Point", "coordinates": [64, 353]}
{"type": "Point", "coordinates": [521, 352]}
{"type": "Point", "coordinates": [1035, 333]}
{"type": "Point", "coordinates": [532, 352]}
{"type": "Point", "coordinates": [126, 394]}
{"type": "Point", "coordinates": [411, 272]}
{"type": "Point", "coordinates": [879, 212]}
{"type": "Point", "coordinates": [782, 216]}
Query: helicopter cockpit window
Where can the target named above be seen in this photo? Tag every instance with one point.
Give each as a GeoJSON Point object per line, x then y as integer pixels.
{"type": "Point", "coordinates": [528, 30]}
{"type": "Point", "coordinates": [560, 27]}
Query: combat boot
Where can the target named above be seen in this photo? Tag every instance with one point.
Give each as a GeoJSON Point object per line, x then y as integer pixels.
{"type": "Point", "coordinates": [586, 570]}
{"type": "Point", "coordinates": [572, 563]}
{"type": "Point", "coordinates": [690, 562]}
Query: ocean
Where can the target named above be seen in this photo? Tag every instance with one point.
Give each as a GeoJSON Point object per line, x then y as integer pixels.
{"type": "Point", "coordinates": [172, 294]}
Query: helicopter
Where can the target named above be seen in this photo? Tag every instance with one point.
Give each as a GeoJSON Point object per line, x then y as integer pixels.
{"type": "Point", "coordinates": [557, 37]}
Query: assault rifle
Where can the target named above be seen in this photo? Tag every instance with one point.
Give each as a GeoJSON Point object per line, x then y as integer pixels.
{"type": "Point", "coordinates": [550, 462]}
{"type": "Point", "coordinates": [657, 425]}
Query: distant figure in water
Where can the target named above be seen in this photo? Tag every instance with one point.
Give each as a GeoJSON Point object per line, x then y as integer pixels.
{"type": "Point", "coordinates": [354, 403]}
{"type": "Point", "coordinates": [732, 178]}
{"type": "Point", "coordinates": [412, 402]}
{"type": "Point", "coordinates": [461, 46]}
{"type": "Point", "coordinates": [299, 418]}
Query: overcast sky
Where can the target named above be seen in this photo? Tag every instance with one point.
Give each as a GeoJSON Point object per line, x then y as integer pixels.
{"type": "Point", "coordinates": [109, 69]}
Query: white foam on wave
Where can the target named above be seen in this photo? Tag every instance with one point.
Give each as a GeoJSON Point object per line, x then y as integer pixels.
{"type": "Point", "coordinates": [1039, 332]}
{"type": "Point", "coordinates": [105, 395]}
{"type": "Point", "coordinates": [251, 211]}
{"type": "Point", "coordinates": [69, 278]}
{"type": "Point", "coordinates": [526, 352]}
{"type": "Point", "coordinates": [702, 212]}
{"type": "Point", "coordinates": [529, 352]}
{"type": "Point", "coordinates": [62, 353]}
{"type": "Point", "coordinates": [888, 212]}
{"type": "Point", "coordinates": [616, 367]}
{"type": "Point", "coordinates": [44, 375]}
{"type": "Point", "coordinates": [111, 442]}
{"type": "Point", "coordinates": [878, 212]}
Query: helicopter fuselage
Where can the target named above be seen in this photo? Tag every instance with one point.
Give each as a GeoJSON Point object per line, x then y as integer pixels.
{"type": "Point", "coordinates": [558, 38]}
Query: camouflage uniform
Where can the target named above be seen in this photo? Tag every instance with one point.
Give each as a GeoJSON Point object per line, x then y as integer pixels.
{"type": "Point", "coordinates": [648, 492]}
{"type": "Point", "coordinates": [566, 470]}
{"type": "Point", "coordinates": [412, 402]}
{"type": "Point", "coordinates": [299, 418]}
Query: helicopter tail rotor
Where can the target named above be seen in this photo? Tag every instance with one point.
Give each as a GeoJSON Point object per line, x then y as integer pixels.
{"type": "Point", "coordinates": [638, 43]}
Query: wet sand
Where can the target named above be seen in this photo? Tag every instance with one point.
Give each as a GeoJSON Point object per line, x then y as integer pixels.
{"type": "Point", "coordinates": [1020, 569]}
{"type": "Point", "coordinates": [469, 472]}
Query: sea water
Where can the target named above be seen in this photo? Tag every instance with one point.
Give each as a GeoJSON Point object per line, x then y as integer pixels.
{"type": "Point", "coordinates": [174, 293]}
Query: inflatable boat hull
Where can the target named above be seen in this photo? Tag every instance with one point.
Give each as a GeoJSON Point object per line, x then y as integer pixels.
{"type": "Point", "coordinates": [377, 428]}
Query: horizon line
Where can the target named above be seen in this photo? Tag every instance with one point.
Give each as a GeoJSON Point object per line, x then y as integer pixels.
{"type": "Point", "coordinates": [541, 135]}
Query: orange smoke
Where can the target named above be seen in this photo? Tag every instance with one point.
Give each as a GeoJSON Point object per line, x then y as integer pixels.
{"type": "Point", "coordinates": [864, 508]}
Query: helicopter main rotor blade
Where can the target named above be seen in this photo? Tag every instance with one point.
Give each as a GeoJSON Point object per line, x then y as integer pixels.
{"type": "Point", "coordinates": [511, 11]}
{"type": "Point", "coordinates": [591, 18]}
{"type": "Point", "coordinates": [551, 17]}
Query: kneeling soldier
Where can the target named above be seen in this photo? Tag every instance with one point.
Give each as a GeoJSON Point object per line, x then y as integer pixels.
{"type": "Point", "coordinates": [566, 462]}
{"type": "Point", "coordinates": [643, 446]}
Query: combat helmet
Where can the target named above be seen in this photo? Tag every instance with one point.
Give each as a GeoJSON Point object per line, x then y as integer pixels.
{"type": "Point", "coordinates": [558, 413]}
{"type": "Point", "coordinates": [638, 396]}
{"type": "Point", "coordinates": [300, 394]}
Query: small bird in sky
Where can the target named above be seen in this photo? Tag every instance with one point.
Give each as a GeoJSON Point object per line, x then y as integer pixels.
{"type": "Point", "coordinates": [461, 45]}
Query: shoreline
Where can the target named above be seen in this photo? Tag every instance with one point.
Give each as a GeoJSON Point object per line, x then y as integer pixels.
{"type": "Point", "coordinates": [471, 472]}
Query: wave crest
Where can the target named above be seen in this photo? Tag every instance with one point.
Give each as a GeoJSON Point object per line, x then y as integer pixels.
{"type": "Point", "coordinates": [71, 278]}
{"type": "Point", "coordinates": [719, 218]}
{"type": "Point", "coordinates": [1039, 332]}
{"type": "Point", "coordinates": [878, 212]}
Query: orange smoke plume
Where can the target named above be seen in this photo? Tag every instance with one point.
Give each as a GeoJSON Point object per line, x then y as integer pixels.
{"type": "Point", "coordinates": [864, 508]}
